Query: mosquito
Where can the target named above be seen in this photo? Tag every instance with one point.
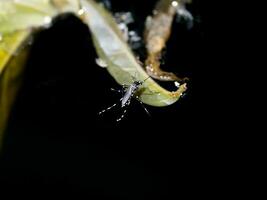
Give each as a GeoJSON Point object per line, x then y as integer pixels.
{"type": "Point", "coordinates": [128, 93]}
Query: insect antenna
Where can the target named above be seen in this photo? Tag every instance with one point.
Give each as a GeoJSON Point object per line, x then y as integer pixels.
{"type": "Point", "coordinates": [146, 78]}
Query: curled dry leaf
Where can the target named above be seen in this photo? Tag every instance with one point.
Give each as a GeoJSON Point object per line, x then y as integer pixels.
{"type": "Point", "coordinates": [157, 33]}
{"type": "Point", "coordinates": [122, 64]}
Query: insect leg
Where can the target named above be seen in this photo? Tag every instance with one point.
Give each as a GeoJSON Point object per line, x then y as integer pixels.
{"type": "Point", "coordinates": [124, 86]}
{"type": "Point", "coordinates": [101, 112]}
{"type": "Point", "coordinates": [123, 115]}
{"type": "Point", "coordinates": [137, 98]}
{"type": "Point", "coordinates": [183, 13]}
{"type": "Point", "coordinates": [116, 90]}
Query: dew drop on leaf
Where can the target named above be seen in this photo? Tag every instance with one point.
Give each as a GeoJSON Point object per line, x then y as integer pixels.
{"type": "Point", "coordinates": [101, 63]}
{"type": "Point", "coordinates": [177, 84]}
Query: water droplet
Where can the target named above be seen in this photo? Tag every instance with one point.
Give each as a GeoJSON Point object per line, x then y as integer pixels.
{"type": "Point", "coordinates": [183, 95]}
{"type": "Point", "coordinates": [124, 17]}
{"type": "Point", "coordinates": [124, 29]}
{"type": "Point", "coordinates": [106, 4]}
{"type": "Point", "coordinates": [134, 40]}
{"type": "Point", "coordinates": [184, 15]}
{"type": "Point", "coordinates": [30, 40]}
{"type": "Point", "coordinates": [155, 12]}
{"type": "Point", "coordinates": [101, 63]}
{"type": "Point", "coordinates": [134, 37]}
{"type": "Point", "coordinates": [177, 84]}
{"type": "Point", "coordinates": [47, 21]}
{"type": "Point", "coordinates": [174, 3]}
{"type": "Point", "coordinates": [81, 12]}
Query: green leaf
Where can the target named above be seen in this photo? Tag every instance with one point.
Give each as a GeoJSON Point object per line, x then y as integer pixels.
{"type": "Point", "coordinates": [11, 68]}
{"type": "Point", "coordinates": [122, 64]}
{"type": "Point", "coordinates": [24, 14]}
{"type": "Point", "coordinates": [18, 18]}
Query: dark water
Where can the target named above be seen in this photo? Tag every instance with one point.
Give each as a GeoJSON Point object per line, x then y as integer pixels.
{"type": "Point", "coordinates": [57, 146]}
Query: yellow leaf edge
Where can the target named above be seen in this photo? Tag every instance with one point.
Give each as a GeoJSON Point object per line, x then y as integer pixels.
{"type": "Point", "coordinates": [12, 67]}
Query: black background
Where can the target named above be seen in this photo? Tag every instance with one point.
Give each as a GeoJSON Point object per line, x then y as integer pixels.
{"type": "Point", "coordinates": [56, 144]}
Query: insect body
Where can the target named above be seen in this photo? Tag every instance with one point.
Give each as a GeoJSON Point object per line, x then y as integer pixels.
{"type": "Point", "coordinates": [128, 92]}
